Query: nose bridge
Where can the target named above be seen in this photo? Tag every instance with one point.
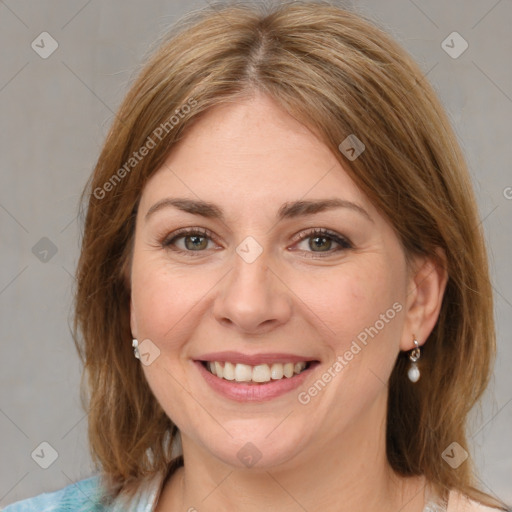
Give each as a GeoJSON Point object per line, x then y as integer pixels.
{"type": "Point", "coordinates": [252, 295]}
{"type": "Point", "coordinates": [251, 265]}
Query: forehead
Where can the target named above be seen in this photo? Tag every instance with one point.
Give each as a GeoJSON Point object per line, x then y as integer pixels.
{"type": "Point", "coordinates": [250, 154]}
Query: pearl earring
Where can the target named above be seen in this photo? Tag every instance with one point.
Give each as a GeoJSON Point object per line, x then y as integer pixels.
{"type": "Point", "coordinates": [135, 345]}
{"type": "Point", "coordinates": [414, 372]}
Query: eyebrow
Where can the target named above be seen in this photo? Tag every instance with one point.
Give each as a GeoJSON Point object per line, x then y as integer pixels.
{"type": "Point", "coordinates": [287, 211]}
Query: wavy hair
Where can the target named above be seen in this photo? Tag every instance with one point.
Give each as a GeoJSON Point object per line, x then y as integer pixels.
{"type": "Point", "coordinates": [339, 74]}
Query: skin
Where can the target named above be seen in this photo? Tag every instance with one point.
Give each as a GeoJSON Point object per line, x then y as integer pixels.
{"type": "Point", "coordinates": [249, 157]}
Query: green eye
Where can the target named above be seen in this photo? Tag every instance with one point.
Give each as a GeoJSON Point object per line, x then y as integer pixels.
{"type": "Point", "coordinates": [323, 239]}
{"type": "Point", "coordinates": [317, 241]}
{"type": "Point", "coordinates": [195, 240]}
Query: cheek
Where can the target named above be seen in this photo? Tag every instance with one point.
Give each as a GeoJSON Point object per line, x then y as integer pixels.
{"type": "Point", "coordinates": [159, 304]}
{"type": "Point", "coordinates": [357, 302]}
{"type": "Point", "coordinates": [168, 300]}
{"type": "Point", "coordinates": [164, 302]}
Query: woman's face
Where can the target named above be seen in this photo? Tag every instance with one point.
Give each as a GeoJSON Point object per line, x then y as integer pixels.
{"type": "Point", "coordinates": [256, 290]}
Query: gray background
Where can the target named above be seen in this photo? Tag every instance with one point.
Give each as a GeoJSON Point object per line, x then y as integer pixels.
{"type": "Point", "coordinates": [54, 116]}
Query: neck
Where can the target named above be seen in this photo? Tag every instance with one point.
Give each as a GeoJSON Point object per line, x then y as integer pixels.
{"type": "Point", "coordinates": [348, 473]}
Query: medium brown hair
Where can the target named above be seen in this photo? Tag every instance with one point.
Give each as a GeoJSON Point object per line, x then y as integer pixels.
{"type": "Point", "coordinates": [338, 74]}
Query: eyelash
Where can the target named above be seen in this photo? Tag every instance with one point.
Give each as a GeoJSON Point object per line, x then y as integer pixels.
{"type": "Point", "coordinates": [344, 243]}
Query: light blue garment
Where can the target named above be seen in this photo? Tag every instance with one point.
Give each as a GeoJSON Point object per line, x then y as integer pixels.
{"type": "Point", "coordinates": [83, 496]}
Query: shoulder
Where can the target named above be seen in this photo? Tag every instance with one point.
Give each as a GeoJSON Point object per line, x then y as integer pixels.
{"type": "Point", "coordinates": [458, 502]}
{"type": "Point", "coordinates": [81, 496]}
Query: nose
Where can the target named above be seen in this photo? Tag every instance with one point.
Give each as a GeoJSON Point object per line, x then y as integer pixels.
{"type": "Point", "coordinates": [253, 297]}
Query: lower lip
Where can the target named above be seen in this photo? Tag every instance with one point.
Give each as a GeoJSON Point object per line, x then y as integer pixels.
{"type": "Point", "coordinates": [244, 392]}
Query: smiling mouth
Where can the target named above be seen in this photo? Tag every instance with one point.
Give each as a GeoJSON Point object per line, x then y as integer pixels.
{"type": "Point", "coordinates": [258, 374]}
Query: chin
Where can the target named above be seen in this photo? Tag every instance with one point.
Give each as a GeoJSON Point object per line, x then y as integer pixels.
{"type": "Point", "coordinates": [261, 447]}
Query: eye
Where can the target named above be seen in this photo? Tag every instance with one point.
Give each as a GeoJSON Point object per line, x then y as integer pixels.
{"type": "Point", "coordinates": [322, 241]}
{"type": "Point", "coordinates": [194, 240]}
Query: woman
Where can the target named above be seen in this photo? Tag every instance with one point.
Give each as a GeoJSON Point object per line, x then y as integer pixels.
{"type": "Point", "coordinates": [229, 366]}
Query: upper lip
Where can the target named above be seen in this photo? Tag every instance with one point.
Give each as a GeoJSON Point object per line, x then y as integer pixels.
{"type": "Point", "coordinates": [254, 359]}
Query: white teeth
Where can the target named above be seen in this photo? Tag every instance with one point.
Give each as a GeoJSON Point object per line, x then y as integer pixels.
{"type": "Point", "coordinates": [299, 367]}
{"type": "Point", "coordinates": [276, 372]}
{"type": "Point", "coordinates": [288, 369]}
{"type": "Point", "coordinates": [243, 373]}
{"type": "Point", "coordinates": [229, 371]}
{"type": "Point", "coordinates": [259, 373]}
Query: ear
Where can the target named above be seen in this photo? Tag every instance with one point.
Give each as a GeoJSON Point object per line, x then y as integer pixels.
{"type": "Point", "coordinates": [425, 291]}
{"type": "Point", "coordinates": [133, 321]}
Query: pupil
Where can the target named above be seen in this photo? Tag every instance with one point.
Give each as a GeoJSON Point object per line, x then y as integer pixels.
{"type": "Point", "coordinates": [324, 239]}
{"type": "Point", "coordinates": [196, 244]}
